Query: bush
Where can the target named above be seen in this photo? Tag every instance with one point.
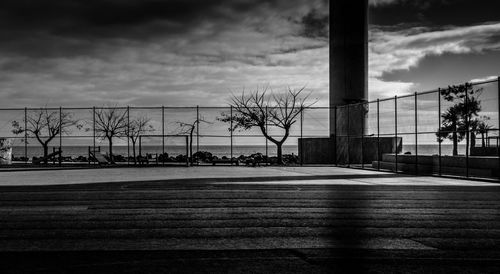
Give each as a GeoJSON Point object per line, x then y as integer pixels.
{"type": "Point", "coordinates": [181, 158]}
{"type": "Point", "coordinates": [203, 156]}
{"type": "Point", "coordinates": [163, 158]}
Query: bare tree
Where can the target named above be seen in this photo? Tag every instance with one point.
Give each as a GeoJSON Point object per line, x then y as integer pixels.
{"type": "Point", "coordinates": [137, 127]}
{"type": "Point", "coordinates": [265, 112]}
{"type": "Point", "coordinates": [45, 125]}
{"type": "Point", "coordinates": [111, 122]}
{"type": "Point", "coordinates": [189, 128]}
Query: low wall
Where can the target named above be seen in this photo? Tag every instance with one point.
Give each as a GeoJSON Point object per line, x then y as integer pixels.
{"type": "Point", "coordinates": [484, 151]}
{"type": "Point", "coordinates": [482, 166]}
{"type": "Point", "coordinates": [316, 150]}
{"type": "Point", "coordinates": [343, 150]}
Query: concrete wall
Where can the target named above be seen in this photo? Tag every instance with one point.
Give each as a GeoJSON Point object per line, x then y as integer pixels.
{"type": "Point", "coordinates": [484, 151]}
{"type": "Point", "coordinates": [316, 150]}
{"type": "Point", "coordinates": [343, 150]}
{"type": "Point", "coordinates": [448, 165]}
{"type": "Point", "coordinates": [359, 150]}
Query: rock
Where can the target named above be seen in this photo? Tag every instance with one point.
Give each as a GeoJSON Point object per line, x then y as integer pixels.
{"type": "Point", "coordinates": [5, 151]}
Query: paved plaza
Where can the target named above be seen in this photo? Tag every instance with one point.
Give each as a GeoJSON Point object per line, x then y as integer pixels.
{"type": "Point", "coordinates": [318, 175]}
{"type": "Point", "coordinates": [245, 220]}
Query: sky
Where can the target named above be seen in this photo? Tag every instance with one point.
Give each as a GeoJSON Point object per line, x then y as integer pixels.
{"type": "Point", "coordinates": [199, 52]}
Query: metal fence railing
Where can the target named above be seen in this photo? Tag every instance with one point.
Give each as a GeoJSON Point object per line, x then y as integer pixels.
{"type": "Point", "coordinates": [415, 133]}
{"type": "Point", "coordinates": [451, 131]}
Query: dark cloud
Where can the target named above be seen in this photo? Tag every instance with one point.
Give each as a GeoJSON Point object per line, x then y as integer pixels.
{"type": "Point", "coordinates": [434, 12]}
{"type": "Point", "coordinates": [75, 27]}
{"type": "Point", "coordinates": [85, 52]}
{"type": "Point", "coordinates": [316, 24]}
{"type": "Point", "coordinates": [102, 12]}
{"type": "Point", "coordinates": [78, 15]}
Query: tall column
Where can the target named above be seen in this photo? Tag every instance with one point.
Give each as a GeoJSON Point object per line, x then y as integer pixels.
{"type": "Point", "coordinates": [348, 84]}
{"type": "Point", "coordinates": [348, 61]}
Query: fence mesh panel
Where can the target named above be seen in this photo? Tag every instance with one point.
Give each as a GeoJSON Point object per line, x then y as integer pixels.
{"type": "Point", "coordinates": [413, 133]}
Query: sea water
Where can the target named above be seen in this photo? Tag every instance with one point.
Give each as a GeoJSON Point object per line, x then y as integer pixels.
{"type": "Point", "coordinates": [216, 150]}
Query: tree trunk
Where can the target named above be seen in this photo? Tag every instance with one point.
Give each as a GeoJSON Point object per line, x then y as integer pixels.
{"type": "Point", "coordinates": [280, 153]}
{"type": "Point", "coordinates": [45, 153]}
{"type": "Point", "coordinates": [455, 143]}
{"type": "Point", "coordinates": [133, 151]}
{"type": "Point", "coordinates": [191, 146]}
{"type": "Point", "coordinates": [482, 140]}
{"type": "Point", "coordinates": [110, 140]}
{"type": "Point", "coordinates": [472, 140]}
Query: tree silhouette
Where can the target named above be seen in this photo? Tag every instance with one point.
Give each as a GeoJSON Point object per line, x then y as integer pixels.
{"type": "Point", "coordinates": [45, 125]}
{"type": "Point", "coordinates": [479, 126]}
{"type": "Point", "coordinates": [137, 127]}
{"type": "Point", "coordinates": [259, 110]}
{"type": "Point", "coordinates": [189, 128]}
{"type": "Point", "coordinates": [457, 119]}
{"type": "Point", "coordinates": [111, 122]}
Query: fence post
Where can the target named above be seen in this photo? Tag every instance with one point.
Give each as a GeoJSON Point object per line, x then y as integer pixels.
{"type": "Point", "coordinates": [267, 145]}
{"type": "Point", "coordinates": [301, 137]}
{"type": "Point", "coordinates": [439, 131]}
{"type": "Point", "coordinates": [416, 134]}
{"type": "Point", "coordinates": [93, 132]}
{"type": "Point", "coordinates": [187, 150]}
{"type": "Point", "coordinates": [348, 135]}
{"type": "Point", "coordinates": [163, 135]}
{"type": "Point", "coordinates": [363, 120]}
{"type": "Point", "coordinates": [128, 135]}
{"type": "Point", "coordinates": [396, 131]}
{"type": "Point", "coordinates": [197, 128]}
{"type": "Point", "coordinates": [25, 134]}
{"type": "Point", "coordinates": [467, 132]}
{"type": "Point", "coordinates": [231, 132]}
{"type": "Point", "coordinates": [60, 135]}
{"type": "Point", "coordinates": [335, 136]}
{"type": "Point", "coordinates": [498, 128]}
{"type": "Point", "coordinates": [378, 134]}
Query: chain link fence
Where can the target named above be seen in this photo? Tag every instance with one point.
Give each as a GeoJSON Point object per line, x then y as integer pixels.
{"type": "Point", "coordinates": [452, 131]}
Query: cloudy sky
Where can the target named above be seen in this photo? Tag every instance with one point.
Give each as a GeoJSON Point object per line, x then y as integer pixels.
{"type": "Point", "coordinates": [190, 52]}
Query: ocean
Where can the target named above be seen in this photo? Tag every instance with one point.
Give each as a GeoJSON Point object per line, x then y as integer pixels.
{"type": "Point", "coordinates": [217, 150]}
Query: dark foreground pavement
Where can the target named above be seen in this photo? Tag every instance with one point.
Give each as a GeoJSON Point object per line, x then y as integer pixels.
{"type": "Point", "coordinates": [200, 227]}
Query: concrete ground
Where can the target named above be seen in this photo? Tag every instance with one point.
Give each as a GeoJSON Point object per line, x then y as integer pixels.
{"type": "Point", "coordinates": [246, 220]}
{"type": "Point", "coordinates": [329, 174]}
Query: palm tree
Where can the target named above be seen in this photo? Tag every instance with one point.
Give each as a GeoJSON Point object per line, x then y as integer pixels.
{"type": "Point", "coordinates": [458, 119]}
{"type": "Point", "coordinates": [450, 128]}
{"type": "Point", "coordinates": [483, 128]}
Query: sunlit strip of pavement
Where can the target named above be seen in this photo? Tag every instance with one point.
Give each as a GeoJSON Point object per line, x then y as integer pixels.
{"type": "Point", "coordinates": [224, 174]}
{"type": "Point", "coordinates": [398, 181]}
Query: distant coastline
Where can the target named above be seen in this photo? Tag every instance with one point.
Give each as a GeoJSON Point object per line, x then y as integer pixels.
{"type": "Point", "coordinates": [216, 150]}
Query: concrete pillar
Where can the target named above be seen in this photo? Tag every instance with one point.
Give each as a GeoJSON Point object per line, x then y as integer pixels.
{"type": "Point", "coordinates": [348, 63]}
{"type": "Point", "coordinates": [348, 84]}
